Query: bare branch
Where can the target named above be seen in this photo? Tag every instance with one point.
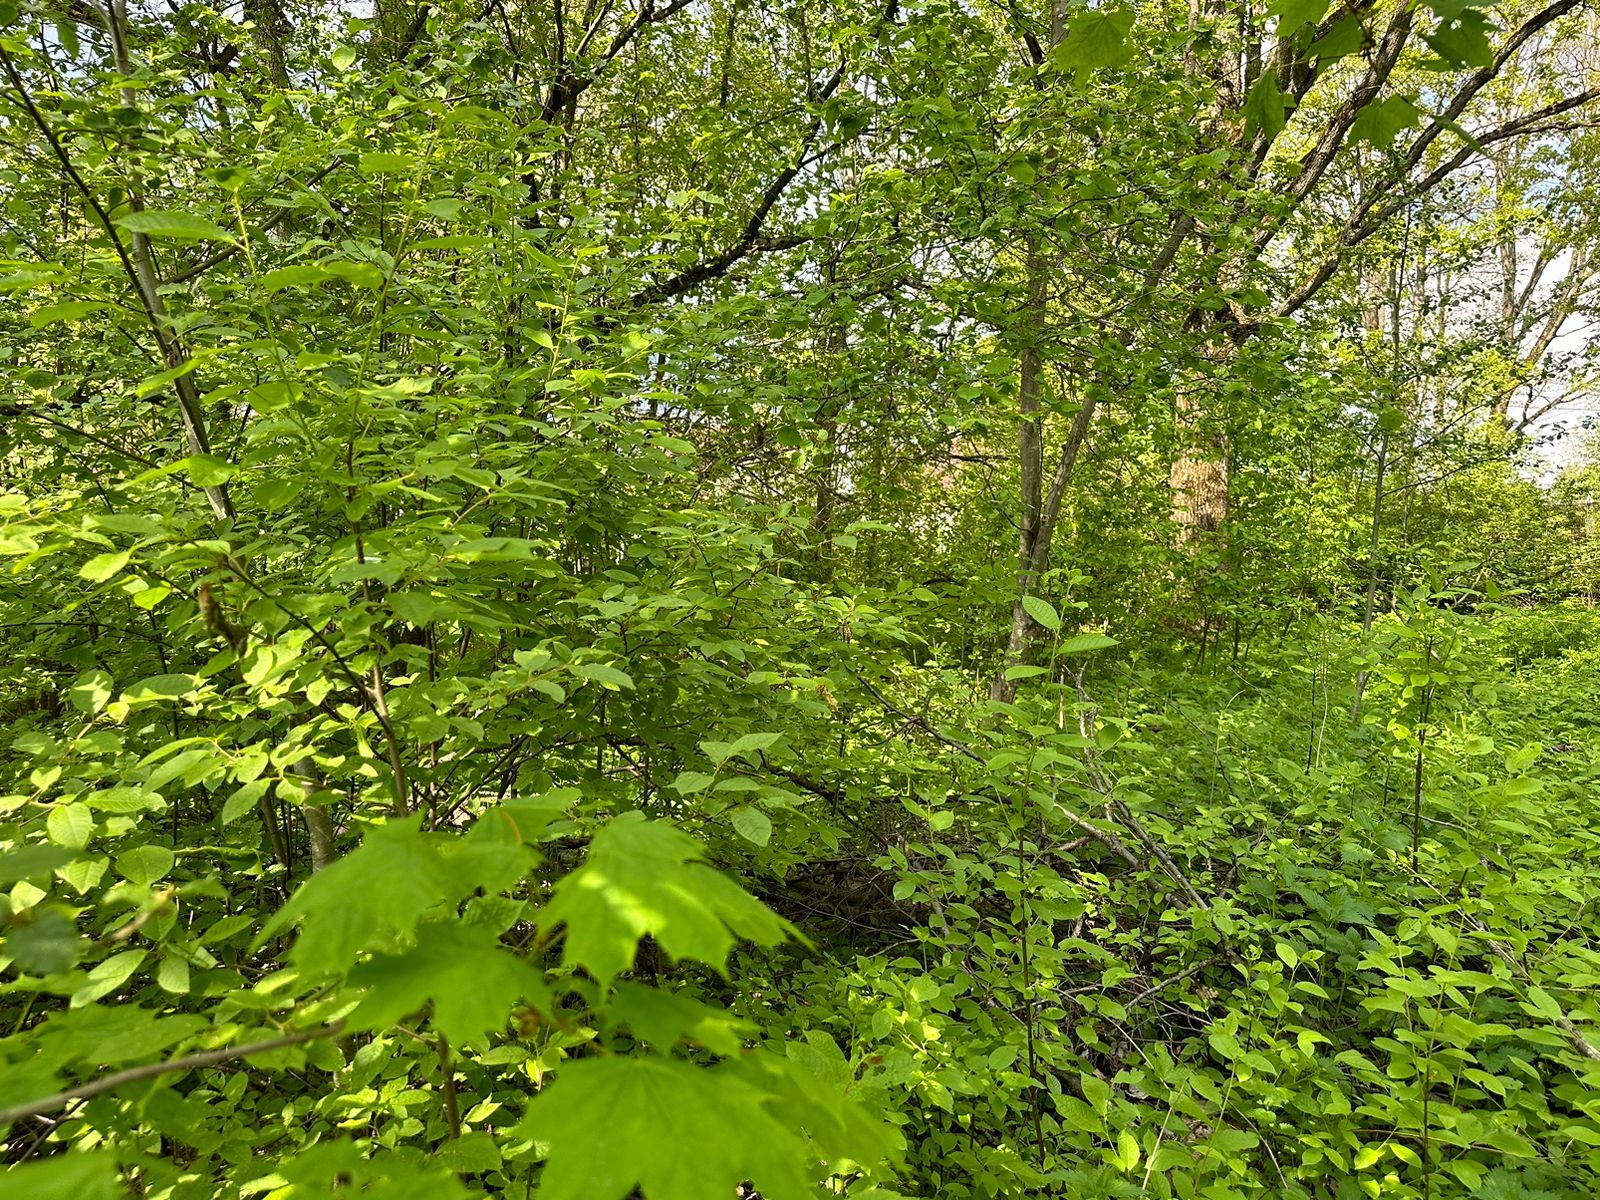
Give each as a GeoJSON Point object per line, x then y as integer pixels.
{"type": "Point", "coordinates": [191, 1062]}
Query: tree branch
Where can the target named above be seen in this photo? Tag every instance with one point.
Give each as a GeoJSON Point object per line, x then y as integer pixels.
{"type": "Point", "coordinates": [191, 1062]}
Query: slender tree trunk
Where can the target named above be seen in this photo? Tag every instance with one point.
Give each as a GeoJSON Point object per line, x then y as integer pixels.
{"type": "Point", "coordinates": [1370, 603]}
{"type": "Point", "coordinates": [1036, 518]}
{"type": "Point", "coordinates": [270, 30]}
{"type": "Point", "coordinates": [173, 352]}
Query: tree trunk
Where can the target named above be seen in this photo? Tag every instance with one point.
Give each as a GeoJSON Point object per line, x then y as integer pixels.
{"type": "Point", "coordinates": [269, 33]}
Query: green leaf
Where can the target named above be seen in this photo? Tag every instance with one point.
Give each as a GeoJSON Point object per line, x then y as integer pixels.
{"type": "Point", "coordinates": [244, 798]}
{"type": "Point", "coordinates": [357, 274]}
{"type": "Point", "coordinates": [1344, 39]}
{"type": "Point", "coordinates": [158, 382]}
{"type": "Point", "coordinates": [208, 470]}
{"type": "Point", "coordinates": [470, 1153]}
{"type": "Point", "coordinates": [103, 566]}
{"type": "Point", "coordinates": [748, 746]}
{"type": "Point", "coordinates": [1085, 643]}
{"type": "Point", "coordinates": [1292, 14]}
{"type": "Point", "coordinates": [384, 885]}
{"type": "Point", "coordinates": [1464, 42]}
{"type": "Point", "coordinates": [67, 310]}
{"type": "Point", "coordinates": [42, 941]}
{"type": "Point", "coordinates": [1095, 38]}
{"type": "Point", "coordinates": [161, 687]}
{"type": "Point", "coordinates": [753, 825]}
{"type": "Point", "coordinates": [108, 976]}
{"type": "Point", "coordinates": [90, 692]}
{"type": "Point", "coordinates": [383, 162]}
{"type": "Point", "coordinates": [172, 975]}
{"type": "Point", "coordinates": [30, 862]}
{"type": "Point", "coordinates": [70, 825]}
{"type": "Point", "coordinates": [1264, 107]}
{"type": "Point", "coordinates": [298, 275]}
{"type": "Point", "coordinates": [1509, 1143]}
{"type": "Point", "coordinates": [663, 1019]}
{"type": "Point", "coordinates": [1026, 672]}
{"type": "Point", "coordinates": [145, 865]}
{"type": "Point", "coordinates": [673, 1130]}
{"type": "Point", "coordinates": [473, 982]}
{"type": "Point", "coordinates": [1127, 1150]}
{"type": "Point", "coordinates": [1042, 612]}
{"type": "Point", "coordinates": [177, 226]}
{"type": "Point", "coordinates": [604, 675]}
{"type": "Point", "coordinates": [641, 878]}
{"type": "Point", "coordinates": [63, 1176]}
{"type": "Point", "coordinates": [1543, 1003]}
{"type": "Point", "coordinates": [1380, 123]}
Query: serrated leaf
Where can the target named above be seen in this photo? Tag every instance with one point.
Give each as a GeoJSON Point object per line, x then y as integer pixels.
{"type": "Point", "coordinates": [1344, 39]}
{"type": "Point", "coordinates": [384, 885]}
{"type": "Point", "coordinates": [472, 981]}
{"type": "Point", "coordinates": [1463, 42]}
{"type": "Point", "coordinates": [1292, 14]}
{"type": "Point", "coordinates": [1264, 107]}
{"type": "Point", "coordinates": [1380, 123]}
{"type": "Point", "coordinates": [1095, 38]}
{"type": "Point", "coordinates": [663, 1019]}
{"type": "Point", "coordinates": [641, 878]}
{"type": "Point", "coordinates": [673, 1130]}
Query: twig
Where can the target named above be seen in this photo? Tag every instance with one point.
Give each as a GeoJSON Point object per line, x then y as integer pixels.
{"type": "Point", "coordinates": [116, 1079]}
{"type": "Point", "coordinates": [1106, 838]}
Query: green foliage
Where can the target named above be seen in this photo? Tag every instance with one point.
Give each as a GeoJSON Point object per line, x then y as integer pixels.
{"type": "Point", "coordinates": [872, 600]}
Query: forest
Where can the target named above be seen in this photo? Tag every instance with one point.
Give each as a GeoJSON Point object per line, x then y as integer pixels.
{"type": "Point", "coordinates": [778, 599]}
